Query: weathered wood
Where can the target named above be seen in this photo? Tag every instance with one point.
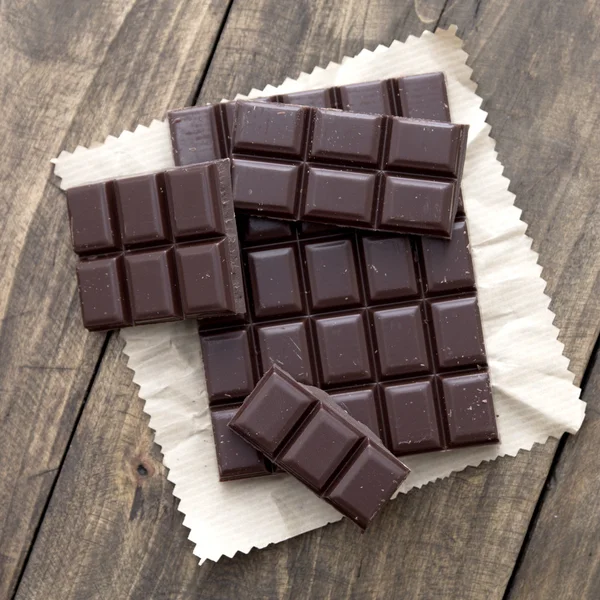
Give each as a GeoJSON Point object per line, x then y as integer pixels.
{"type": "Point", "coordinates": [70, 73]}
{"type": "Point", "coordinates": [459, 537]}
{"type": "Point", "coordinates": [562, 558]}
{"type": "Point", "coordinates": [112, 529]}
{"type": "Point", "coordinates": [266, 41]}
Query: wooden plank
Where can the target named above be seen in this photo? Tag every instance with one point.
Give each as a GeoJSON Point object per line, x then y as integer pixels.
{"type": "Point", "coordinates": [112, 529]}
{"type": "Point", "coordinates": [561, 558]}
{"type": "Point", "coordinates": [68, 74]}
{"type": "Point", "coordinates": [457, 538]}
{"type": "Point", "coordinates": [265, 40]}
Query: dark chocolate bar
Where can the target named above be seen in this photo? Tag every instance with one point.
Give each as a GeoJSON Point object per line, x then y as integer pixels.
{"type": "Point", "coordinates": [304, 432]}
{"type": "Point", "coordinates": [202, 133]}
{"type": "Point", "coordinates": [158, 247]}
{"type": "Point", "coordinates": [369, 171]}
{"type": "Point", "coordinates": [388, 325]}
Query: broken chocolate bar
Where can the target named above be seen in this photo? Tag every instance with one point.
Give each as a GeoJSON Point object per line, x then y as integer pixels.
{"type": "Point", "coordinates": [368, 171]}
{"type": "Point", "coordinates": [158, 247]}
{"type": "Point", "coordinates": [202, 133]}
{"type": "Point", "coordinates": [304, 432]}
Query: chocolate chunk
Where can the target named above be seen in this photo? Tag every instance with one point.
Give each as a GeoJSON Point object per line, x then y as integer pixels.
{"type": "Point", "coordinates": [102, 290]}
{"type": "Point", "coordinates": [92, 215]}
{"type": "Point", "coordinates": [157, 247]}
{"type": "Point", "coordinates": [236, 460]}
{"type": "Point", "coordinates": [303, 431]}
{"type": "Point", "coordinates": [423, 97]}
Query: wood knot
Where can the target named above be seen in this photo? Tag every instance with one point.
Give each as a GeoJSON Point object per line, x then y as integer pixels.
{"type": "Point", "coordinates": [142, 468]}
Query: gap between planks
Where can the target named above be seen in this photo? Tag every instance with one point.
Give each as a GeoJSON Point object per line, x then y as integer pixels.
{"type": "Point", "coordinates": [594, 356]}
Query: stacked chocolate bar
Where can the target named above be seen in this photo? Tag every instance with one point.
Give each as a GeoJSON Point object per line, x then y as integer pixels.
{"type": "Point", "coordinates": [339, 322]}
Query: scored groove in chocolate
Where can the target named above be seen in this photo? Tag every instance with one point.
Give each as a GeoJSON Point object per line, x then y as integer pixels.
{"type": "Point", "coordinates": [158, 247]}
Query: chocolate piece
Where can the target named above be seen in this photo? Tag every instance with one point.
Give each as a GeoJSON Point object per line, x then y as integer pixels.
{"type": "Point", "coordinates": [423, 97]}
{"type": "Point", "coordinates": [369, 171]}
{"type": "Point", "coordinates": [157, 247]}
{"type": "Point", "coordinates": [303, 431]}
{"type": "Point", "coordinates": [385, 324]}
{"type": "Point", "coordinates": [235, 458]}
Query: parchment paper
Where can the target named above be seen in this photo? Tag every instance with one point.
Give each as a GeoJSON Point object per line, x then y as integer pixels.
{"type": "Point", "coordinates": [533, 390]}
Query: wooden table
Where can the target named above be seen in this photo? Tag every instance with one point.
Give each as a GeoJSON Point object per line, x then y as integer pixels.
{"type": "Point", "coordinates": [86, 510]}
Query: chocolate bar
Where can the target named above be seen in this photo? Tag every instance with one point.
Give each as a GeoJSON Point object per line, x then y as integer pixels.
{"type": "Point", "coordinates": [387, 325]}
{"type": "Point", "coordinates": [203, 133]}
{"type": "Point", "coordinates": [301, 430]}
{"type": "Point", "coordinates": [158, 247]}
{"type": "Point", "coordinates": [368, 171]}
{"type": "Point", "coordinates": [311, 164]}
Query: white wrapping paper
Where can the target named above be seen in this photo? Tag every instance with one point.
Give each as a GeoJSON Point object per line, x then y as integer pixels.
{"type": "Point", "coordinates": [533, 390]}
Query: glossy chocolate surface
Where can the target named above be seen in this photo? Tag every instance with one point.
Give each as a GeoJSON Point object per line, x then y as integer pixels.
{"type": "Point", "coordinates": [157, 247]}
{"type": "Point", "coordinates": [304, 432]}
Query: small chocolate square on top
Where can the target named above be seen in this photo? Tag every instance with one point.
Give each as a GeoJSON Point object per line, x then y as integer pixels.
{"type": "Point", "coordinates": [204, 278]}
{"type": "Point", "coordinates": [281, 403]}
{"type": "Point", "coordinates": [191, 193]}
{"type": "Point", "coordinates": [142, 210]}
{"type": "Point", "coordinates": [103, 293]}
{"type": "Point", "coordinates": [333, 139]}
{"type": "Point", "coordinates": [319, 447]}
{"type": "Point", "coordinates": [269, 128]}
{"type": "Point", "coordinates": [426, 146]}
{"type": "Point", "coordinates": [373, 97]}
{"type": "Point", "coordinates": [152, 286]}
{"type": "Point", "coordinates": [360, 404]}
{"type": "Point", "coordinates": [346, 196]}
{"type": "Point", "coordinates": [273, 184]}
{"type": "Point", "coordinates": [92, 217]}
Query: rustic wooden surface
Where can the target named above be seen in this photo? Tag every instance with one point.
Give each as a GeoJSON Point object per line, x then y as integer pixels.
{"type": "Point", "coordinates": [71, 72]}
{"type": "Point", "coordinates": [564, 536]}
{"type": "Point", "coordinates": [85, 507]}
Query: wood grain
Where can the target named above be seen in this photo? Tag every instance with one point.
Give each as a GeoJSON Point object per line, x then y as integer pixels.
{"type": "Point", "coordinates": [70, 72]}
{"type": "Point", "coordinates": [562, 558]}
{"type": "Point", "coordinates": [112, 529]}
{"type": "Point", "coordinates": [456, 538]}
